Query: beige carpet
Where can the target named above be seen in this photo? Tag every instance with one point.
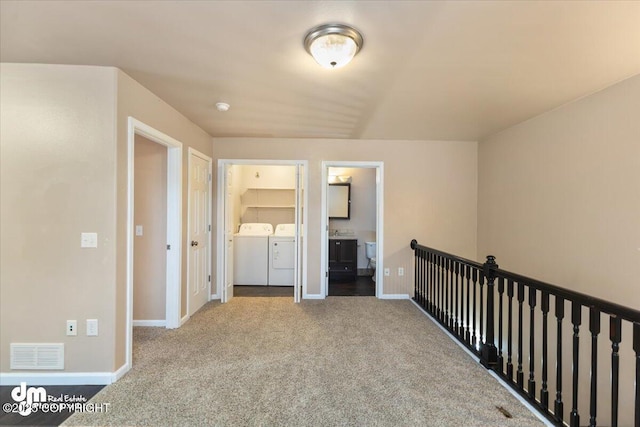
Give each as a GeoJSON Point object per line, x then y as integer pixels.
{"type": "Point", "coordinates": [344, 361]}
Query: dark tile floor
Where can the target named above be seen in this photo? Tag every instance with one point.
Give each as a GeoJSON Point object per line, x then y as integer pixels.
{"type": "Point", "coordinates": [56, 415]}
{"type": "Point", "coordinates": [362, 287]}
{"type": "Point", "coordinates": [262, 291]}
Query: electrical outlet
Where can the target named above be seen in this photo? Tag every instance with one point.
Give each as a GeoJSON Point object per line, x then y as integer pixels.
{"type": "Point", "coordinates": [72, 327]}
{"type": "Point", "coordinates": [92, 327]}
{"type": "Point", "coordinates": [400, 271]}
{"type": "Point", "coordinates": [88, 240]}
{"type": "Point", "coordinates": [387, 272]}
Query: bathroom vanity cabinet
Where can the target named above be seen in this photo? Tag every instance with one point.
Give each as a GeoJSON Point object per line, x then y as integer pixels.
{"type": "Point", "coordinates": [343, 260]}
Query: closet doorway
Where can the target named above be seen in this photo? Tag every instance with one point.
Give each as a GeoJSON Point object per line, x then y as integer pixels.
{"type": "Point", "coordinates": [172, 224]}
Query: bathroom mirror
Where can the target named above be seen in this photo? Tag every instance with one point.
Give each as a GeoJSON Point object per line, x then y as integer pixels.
{"type": "Point", "coordinates": [339, 199]}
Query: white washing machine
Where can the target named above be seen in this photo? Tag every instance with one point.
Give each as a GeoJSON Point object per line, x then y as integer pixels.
{"type": "Point", "coordinates": [282, 255]}
{"type": "Point", "coordinates": [251, 254]}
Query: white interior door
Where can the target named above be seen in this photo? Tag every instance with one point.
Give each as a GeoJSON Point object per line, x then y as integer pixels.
{"type": "Point", "coordinates": [199, 231]}
{"type": "Point", "coordinates": [227, 288]}
{"type": "Point", "coordinates": [297, 275]}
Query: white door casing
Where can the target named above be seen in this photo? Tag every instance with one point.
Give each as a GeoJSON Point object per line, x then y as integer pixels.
{"type": "Point", "coordinates": [297, 276]}
{"type": "Point", "coordinates": [227, 293]}
{"type": "Point", "coordinates": [174, 228]}
{"type": "Point", "coordinates": [198, 234]}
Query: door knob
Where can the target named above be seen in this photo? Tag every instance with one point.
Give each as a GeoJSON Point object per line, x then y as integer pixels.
{"type": "Point", "coordinates": [194, 243]}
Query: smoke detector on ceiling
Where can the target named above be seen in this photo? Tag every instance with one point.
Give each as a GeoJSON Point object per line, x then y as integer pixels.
{"type": "Point", "coordinates": [222, 106]}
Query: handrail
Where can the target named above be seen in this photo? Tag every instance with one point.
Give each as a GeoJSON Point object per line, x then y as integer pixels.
{"type": "Point", "coordinates": [472, 300]}
{"type": "Point", "coordinates": [605, 306]}
{"type": "Point", "coordinates": [416, 245]}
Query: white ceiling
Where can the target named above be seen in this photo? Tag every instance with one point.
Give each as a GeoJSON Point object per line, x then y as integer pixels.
{"type": "Point", "coordinates": [458, 70]}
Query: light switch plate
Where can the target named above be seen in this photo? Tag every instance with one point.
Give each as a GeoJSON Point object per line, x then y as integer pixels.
{"type": "Point", "coordinates": [92, 327]}
{"type": "Point", "coordinates": [387, 272]}
{"type": "Point", "coordinates": [138, 230]}
{"type": "Point", "coordinates": [89, 240]}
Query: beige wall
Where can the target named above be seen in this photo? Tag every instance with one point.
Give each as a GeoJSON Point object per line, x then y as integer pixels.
{"type": "Point", "coordinates": [57, 180]}
{"type": "Point", "coordinates": [64, 171]}
{"type": "Point", "coordinates": [559, 200]}
{"type": "Point", "coordinates": [135, 100]}
{"type": "Point", "coordinates": [150, 213]}
{"type": "Point", "coordinates": [429, 194]}
{"type": "Point", "coordinates": [559, 195]}
{"type": "Point", "coordinates": [264, 177]}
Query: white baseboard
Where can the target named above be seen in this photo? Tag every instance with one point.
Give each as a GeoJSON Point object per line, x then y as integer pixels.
{"type": "Point", "coordinates": [394, 296]}
{"type": "Point", "coordinates": [383, 296]}
{"type": "Point", "coordinates": [63, 378]}
{"type": "Point", "coordinates": [120, 372]}
{"type": "Point", "coordinates": [313, 296]}
{"type": "Point", "coordinates": [58, 378]}
{"type": "Point", "coordinates": [162, 323]}
{"type": "Point", "coordinates": [184, 319]}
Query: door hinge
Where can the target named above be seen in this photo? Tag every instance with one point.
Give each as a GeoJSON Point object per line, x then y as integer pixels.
{"type": "Point", "coordinates": [168, 247]}
{"type": "Point", "coordinates": [209, 278]}
{"type": "Point", "coordinates": [209, 177]}
{"type": "Point", "coordinates": [209, 227]}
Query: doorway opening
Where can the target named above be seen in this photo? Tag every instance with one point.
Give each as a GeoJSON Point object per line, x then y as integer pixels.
{"type": "Point", "coordinates": [150, 235]}
{"type": "Point", "coordinates": [172, 201]}
{"type": "Point", "coordinates": [352, 226]}
{"type": "Point", "coordinates": [260, 228]}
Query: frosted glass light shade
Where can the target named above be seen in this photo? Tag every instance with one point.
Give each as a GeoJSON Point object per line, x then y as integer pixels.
{"type": "Point", "coordinates": [333, 45]}
{"type": "Point", "coordinates": [333, 50]}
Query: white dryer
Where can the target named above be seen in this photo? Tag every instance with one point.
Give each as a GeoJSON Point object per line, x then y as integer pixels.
{"type": "Point", "coordinates": [282, 255]}
{"type": "Point", "coordinates": [251, 254]}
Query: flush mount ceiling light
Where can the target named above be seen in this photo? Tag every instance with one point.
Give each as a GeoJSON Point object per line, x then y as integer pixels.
{"type": "Point", "coordinates": [333, 45]}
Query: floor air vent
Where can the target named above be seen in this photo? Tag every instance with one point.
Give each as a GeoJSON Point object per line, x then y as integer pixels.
{"type": "Point", "coordinates": [37, 356]}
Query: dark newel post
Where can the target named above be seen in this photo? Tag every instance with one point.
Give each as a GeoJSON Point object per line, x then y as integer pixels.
{"type": "Point", "coordinates": [636, 349]}
{"type": "Point", "coordinates": [488, 350]}
{"type": "Point", "coordinates": [413, 244]}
